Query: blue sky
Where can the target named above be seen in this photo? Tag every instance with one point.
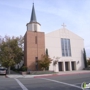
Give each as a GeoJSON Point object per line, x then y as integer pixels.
{"type": "Point", "coordinates": [51, 14]}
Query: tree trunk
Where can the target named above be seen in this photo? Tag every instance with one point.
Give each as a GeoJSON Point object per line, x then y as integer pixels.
{"type": "Point", "coordinates": [8, 70]}
{"type": "Point", "coordinates": [54, 68]}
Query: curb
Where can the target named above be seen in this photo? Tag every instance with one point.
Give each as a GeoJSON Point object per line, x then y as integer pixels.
{"type": "Point", "coordinates": [41, 76]}
{"type": "Point", "coordinates": [60, 74]}
{"type": "Point", "coordinates": [6, 76]}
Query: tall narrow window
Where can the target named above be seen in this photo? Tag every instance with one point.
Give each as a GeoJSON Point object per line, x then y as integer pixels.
{"type": "Point", "coordinates": [36, 62]}
{"type": "Point", "coordinates": [36, 58]}
{"type": "Point", "coordinates": [35, 39]}
{"type": "Point", "coordinates": [65, 47]}
{"type": "Point", "coordinates": [69, 48]}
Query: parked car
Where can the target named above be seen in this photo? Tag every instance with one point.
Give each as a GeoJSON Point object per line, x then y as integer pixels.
{"type": "Point", "coordinates": [3, 70]}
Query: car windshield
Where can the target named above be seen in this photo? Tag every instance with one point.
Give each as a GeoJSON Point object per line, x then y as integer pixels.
{"type": "Point", "coordinates": [2, 69]}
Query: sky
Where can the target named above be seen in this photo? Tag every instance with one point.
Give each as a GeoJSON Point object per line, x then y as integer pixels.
{"type": "Point", "coordinates": [51, 14]}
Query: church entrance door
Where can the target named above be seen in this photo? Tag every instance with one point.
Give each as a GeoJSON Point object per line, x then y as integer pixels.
{"type": "Point", "coordinates": [60, 65]}
{"type": "Point", "coordinates": [73, 65]}
{"type": "Point", "coordinates": [67, 66]}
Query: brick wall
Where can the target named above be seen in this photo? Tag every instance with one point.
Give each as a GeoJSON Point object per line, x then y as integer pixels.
{"type": "Point", "coordinates": [32, 49]}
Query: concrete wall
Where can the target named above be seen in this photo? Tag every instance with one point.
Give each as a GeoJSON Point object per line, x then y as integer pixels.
{"type": "Point", "coordinates": [30, 26]}
{"type": "Point", "coordinates": [53, 43]}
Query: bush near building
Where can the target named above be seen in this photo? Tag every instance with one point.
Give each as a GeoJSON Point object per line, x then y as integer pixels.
{"type": "Point", "coordinates": [44, 62]}
{"type": "Point", "coordinates": [85, 60]}
{"type": "Point", "coordinates": [88, 61]}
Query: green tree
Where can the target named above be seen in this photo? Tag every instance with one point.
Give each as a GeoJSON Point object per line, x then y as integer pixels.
{"type": "Point", "coordinates": [55, 61]}
{"type": "Point", "coordinates": [10, 51]}
{"type": "Point", "coordinates": [88, 61]}
{"type": "Point", "coordinates": [85, 60]}
{"type": "Point", "coordinates": [46, 51]}
{"type": "Point", "coordinates": [44, 62]}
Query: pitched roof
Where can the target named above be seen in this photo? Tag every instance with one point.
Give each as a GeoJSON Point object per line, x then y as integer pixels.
{"type": "Point", "coordinates": [33, 15]}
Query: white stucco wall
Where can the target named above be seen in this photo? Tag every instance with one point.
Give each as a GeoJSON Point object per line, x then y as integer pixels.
{"type": "Point", "coordinates": [30, 26]}
{"type": "Point", "coordinates": [53, 44]}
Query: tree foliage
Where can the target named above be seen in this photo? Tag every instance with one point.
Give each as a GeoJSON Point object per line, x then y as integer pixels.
{"type": "Point", "coordinates": [11, 51]}
{"type": "Point", "coordinates": [44, 62]}
{"type": "Point", "coordinates": [46, 51]}
{"type": "Point", "coordinates": [88, 61]}
{"type": "Point", "coordinates": [55, 60]}
{"type": "Point", "coordinates": [85, 60]}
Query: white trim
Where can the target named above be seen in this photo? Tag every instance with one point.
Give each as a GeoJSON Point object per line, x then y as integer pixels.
{"type": "Point", "coordinates": [22, 86]}
{"type": "Point", "coordinates": [62, 83]}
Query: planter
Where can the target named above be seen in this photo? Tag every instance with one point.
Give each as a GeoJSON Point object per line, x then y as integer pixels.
{"type": "Point", "coordinates": [24, 73]}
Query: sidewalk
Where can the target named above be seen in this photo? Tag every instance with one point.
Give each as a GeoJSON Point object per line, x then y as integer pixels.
{"type": "Point", "coordinates": [49, 75]}
{"type": "Point", "coordinates": [14, 73]}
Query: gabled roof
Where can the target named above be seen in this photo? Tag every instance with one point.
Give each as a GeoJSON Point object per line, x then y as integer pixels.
{"type": "Point", "coordinates": [57, 33]}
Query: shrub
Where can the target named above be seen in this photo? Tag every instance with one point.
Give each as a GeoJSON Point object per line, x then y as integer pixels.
{"type": "Point", "coordinates": [55, 62]}
{"type": "Point", "coordinates": [88, 62]}
{"type": "Point", "coordinates": [13, 68]}
{"type": "Point", "coordinates": [24, 68]}
{"type": "Point", "coordinates": [44, 62]}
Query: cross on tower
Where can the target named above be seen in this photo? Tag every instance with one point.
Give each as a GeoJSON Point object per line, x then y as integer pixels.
{"type": "Point", "coordinates": [64, 25]}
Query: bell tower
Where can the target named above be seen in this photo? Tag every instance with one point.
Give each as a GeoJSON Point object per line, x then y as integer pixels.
{"type": "Point", "coordinates": [33, 25]}
{"type": "Point", "coordinates": [34, 42]}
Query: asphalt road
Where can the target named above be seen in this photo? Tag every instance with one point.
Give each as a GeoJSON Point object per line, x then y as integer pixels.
{"type": "Point", "coordinates": [69, 82]}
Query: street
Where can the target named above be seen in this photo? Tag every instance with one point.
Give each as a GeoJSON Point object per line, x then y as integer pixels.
{"type": "Point", "coordinates": [67, 82]}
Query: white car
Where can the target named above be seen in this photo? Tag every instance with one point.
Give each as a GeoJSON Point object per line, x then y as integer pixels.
{"type": "Point", "coordinates": [3, 70]}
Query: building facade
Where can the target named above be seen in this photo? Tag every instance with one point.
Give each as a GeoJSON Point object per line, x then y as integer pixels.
{"type": "Point", "coordinates": [63, 46]}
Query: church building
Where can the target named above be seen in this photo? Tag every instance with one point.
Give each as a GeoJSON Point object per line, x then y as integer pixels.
{"type": "Point", "coordinates": [63, 46]}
